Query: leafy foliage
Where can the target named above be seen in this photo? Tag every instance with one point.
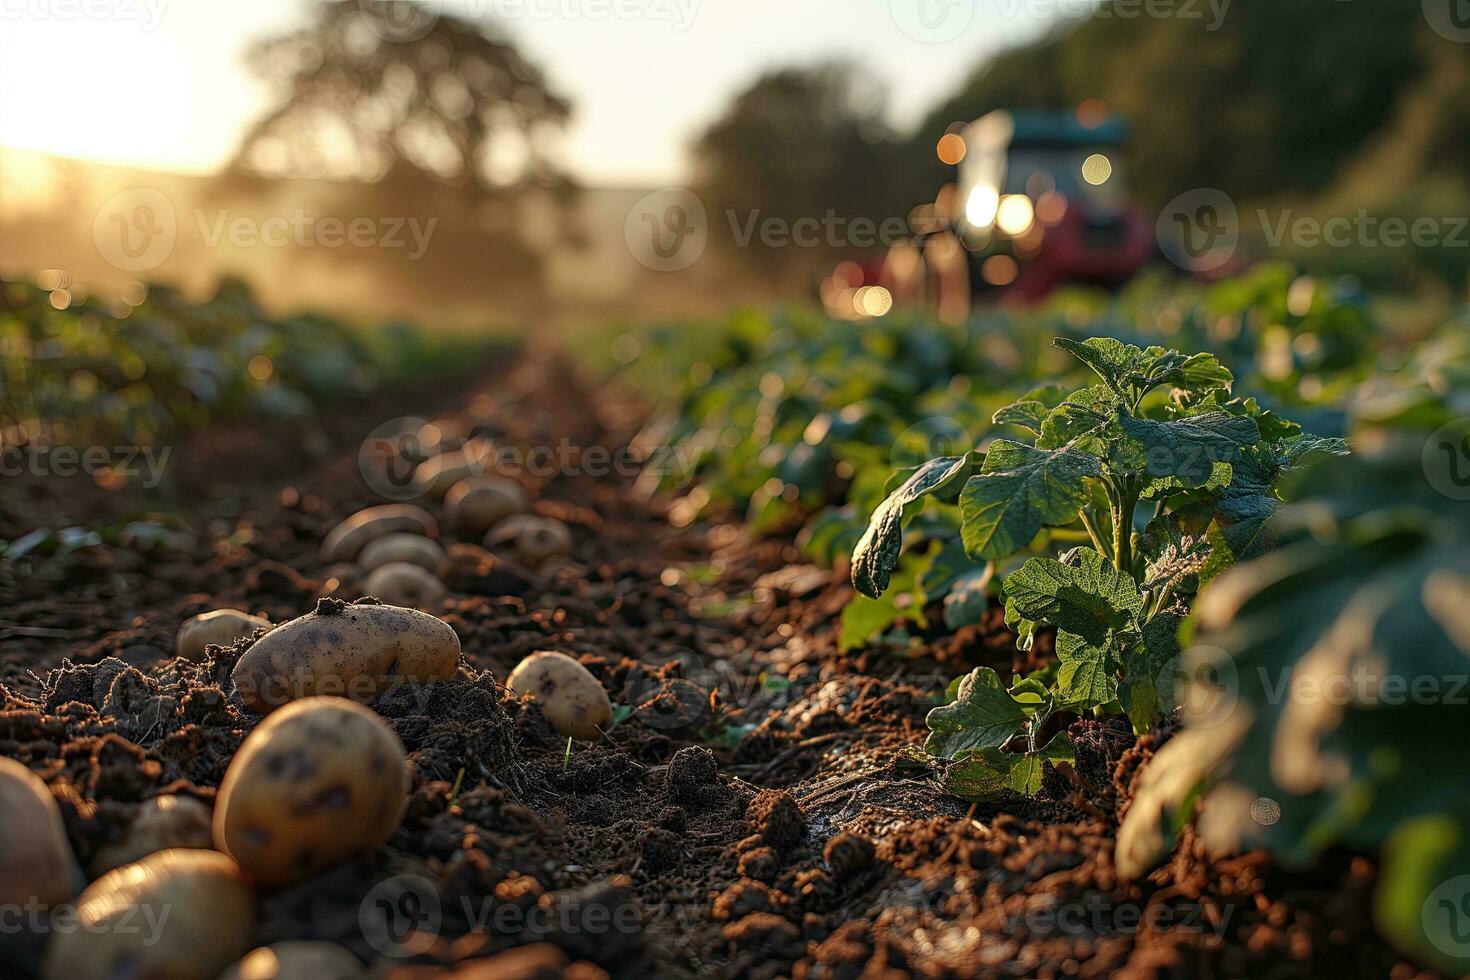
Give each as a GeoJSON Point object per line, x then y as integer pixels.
{"type": "Point", "coordinates": [1346, 651]}
{"type": "Point", "coordinates": [1206, 461]}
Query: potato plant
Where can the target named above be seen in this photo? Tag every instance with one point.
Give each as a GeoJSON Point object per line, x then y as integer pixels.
{"type": "Point", "coordinates": [1339, 665]}
{"type": "Point", "coordinates": [1166, 478]}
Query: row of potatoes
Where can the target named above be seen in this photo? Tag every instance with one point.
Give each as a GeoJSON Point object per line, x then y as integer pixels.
{"type": "Point", "coordinates": [391, 552]}
{"type": "Point", "coordinates": [322, 778]}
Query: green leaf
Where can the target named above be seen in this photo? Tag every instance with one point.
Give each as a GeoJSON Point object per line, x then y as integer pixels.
{"type": "Point", "coordinates": [1019, 491]}
{"type": "Point", "coordinates": [1111, 359]}
{"type": "Point", "coordinates": [983, 715]}
{"type": "Point", "coordinates": [1090, 600]}
{"type": "Point", "coordinates": [1176, 547]}
{"type": "Point", "coordinates": [1031, 409]}
{"type": "Point", "coordinates": [1089, 673]}
{"type": "Point", "coordinates": [877, 551]}
{"type": "Point", "coordinates": [990, 774]}
{"type": "Point", "coordinates": [1024, 628]}
{"type": "Point", "coordinates": [1186, 449]}
{"type": "Point", "coordinates": [1081, 422]}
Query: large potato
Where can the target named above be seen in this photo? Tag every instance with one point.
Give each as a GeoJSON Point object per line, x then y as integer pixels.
{"type": "Point", "coordinates": [36, 860]}
{"type": "Point", "coordinates": [163, 823]}
{"type": "Point", "coordinates": [530, 540]}
{"type": "Point", "coordinates": [346, 541]}
{"type": "Point", "coordinates": [399, 583]}
{"type": "Point", "coordinates": [435, 475]}
{"type": "Point", "coordinates": [569, 696]}
{"type": "Point", "coordinates": [298, 960]}
{"type": "Point", "coordinates": [412, 548]}
{"type": "Point", "coordinates": [477, 503]}
{"type": "Point", "coordinates": [357, 651]}
{"type": "Point", "coordinates": [175, 915]}
{"type": "Point", "coordinates": [317, 782]}
{"type": "Point", "coordinates": [221, 626]}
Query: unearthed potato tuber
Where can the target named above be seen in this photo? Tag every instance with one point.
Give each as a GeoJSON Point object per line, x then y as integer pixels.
{"type": "Point", "coordinates": [175, 915]}
{"type": "Point", "coordinates": [346, 541]}
{"type": "Point", "coordinates": [529, 539]}
{"type": "Point", "coordinates": [412, 548]}
{"type": "Point", "coordinates": [477, 503]}
{"type": "Point", "coordinates": [221, 626]}
{"type": "Point", "coordinates": [400, 583]}
{"type": "Point", "coordinates": [36, 860]}
{"type": "Point", "coordinates": [317, 782]}
{"type": "Point", "coordinates": [357, 651]}
{"type": "Point", "coordinates": [163, 823]}
{"type": "Point", "coordinates": [569, 696]}
{"type": "Point", "coordinates": [298, 960]}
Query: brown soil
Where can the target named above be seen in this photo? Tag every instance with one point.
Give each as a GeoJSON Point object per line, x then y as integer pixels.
{"type": "Point", "coordinates": [758, 810]}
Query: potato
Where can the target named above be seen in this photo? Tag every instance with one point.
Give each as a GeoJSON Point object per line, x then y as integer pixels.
{"type": "Point", "coordinates": [531, 540]}
{"type": "Point", "coordinates": [36, 860]}
{"type": "Point", "coordinates": [412, 548]}
{"type": "Point", "coordinates": [435, 475]}
{"type": "Point", "coordinates": [399, 583]}
{"type": "Point", "coordinates": [569, 696]}
{"type": "Point", "coordinates": [163, 823]}
{"type": "Point", "coordinates": [175, 915]}
{"type": "Point", "coordinates": [346, 541]}
{"type": "Point", "coordinates": [221, 626]}
{"type": "Point", "coordinates": [317, 782]}
{"type": "Point", "coordinates": [358, 651]}
{"type": "Point", "coordinates": [477, 503]}
{"type": "Point", "coordinates": [298, 960]}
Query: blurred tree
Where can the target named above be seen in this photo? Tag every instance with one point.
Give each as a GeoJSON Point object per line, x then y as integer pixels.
{"type": "Point", "coordinates": [1271, 98]}
{"type": "Point", "coordinates": [373, 86]}
{"type": "Point", "coordinates": [800, 143]}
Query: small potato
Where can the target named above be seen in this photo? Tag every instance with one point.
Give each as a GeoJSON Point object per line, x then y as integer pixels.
{"type": "Point", "coordinates": [435, 475]}
{"type": "Point", "coordinates": [531, 540]}
{"type": "Point", "coordinates": [221, 626]}
{"type": "Point", "coordinates": [569, 696]}
{"type": "Point", "coordinates": [346, 541]}
{"type": "Point", "coordinates": [399, 583]}
{"type": "Point", "coordinates": [298, 960]}
{"type": "Point", "coordinates": [358, 651]}
{"type": "Point", "coordinates": [163, 823]}
{"type": "Point", "coordinates": [175, 915]}
{"type": "Point", "coordinates": [477, 503]}
{"type": "Point", "coordinates": [317, 782]}
{"type": "Point", "coordinates": [412, 548]}
{"type": "Point", "coordinates": [36, 860]}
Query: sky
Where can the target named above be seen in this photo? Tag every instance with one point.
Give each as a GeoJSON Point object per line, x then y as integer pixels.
{"type": "Point", "coordinates": [161, 84]}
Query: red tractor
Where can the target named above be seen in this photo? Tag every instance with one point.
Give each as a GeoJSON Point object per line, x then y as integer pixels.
{"type": "Point", "coordinates": [1039, 201]}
